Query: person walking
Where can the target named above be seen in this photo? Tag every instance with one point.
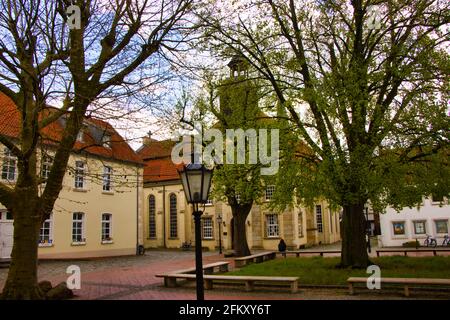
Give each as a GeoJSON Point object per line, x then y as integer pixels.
{"type": "Point", "coordinates": [282, 247]}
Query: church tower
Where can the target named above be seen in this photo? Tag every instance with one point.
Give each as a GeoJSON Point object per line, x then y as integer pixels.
{"type": "Point", "coordinates": [238, 95]}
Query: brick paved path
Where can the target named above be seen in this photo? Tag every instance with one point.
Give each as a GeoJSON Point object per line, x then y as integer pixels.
{"type": "Point", "coordinates": [133, 277]}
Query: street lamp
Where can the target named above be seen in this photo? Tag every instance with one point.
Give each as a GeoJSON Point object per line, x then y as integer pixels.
{"type": "Point", "coordinates": [196, 180]}
{"type": "Point", "coordinates": [219, 221]}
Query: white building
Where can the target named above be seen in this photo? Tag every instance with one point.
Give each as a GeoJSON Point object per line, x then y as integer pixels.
{"type": "Point", "coordinates": [432, 218]}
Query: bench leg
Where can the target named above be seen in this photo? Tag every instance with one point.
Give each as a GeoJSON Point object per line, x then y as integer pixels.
{"type": "Point", "coordinates": [208, 284]}
{"type": "Point", "coordinates": [272, 256]}
{"type": "Point", "coordinates": [378, 253]}
{"type": "Point", "coordinates": [406, 291]}
{"type": "Point", "coordinates": [434, 252]}
{"type": "Point", "coordinates": [209, 270]}
{"type": "Point", "coordinates": [248, 285]}
{"type": "Point", "coordinates": [321, 254]}
{"type": "Point", "coordinates": [223, 268]}
{"type": "Point", "coordinates": [294, 287]}
{"type": "Point", "coordinates": [351, 291]}
{"type": "Point", "coordinates": [259, 259]}
{"type": "Point", "coordinates": [406, 253]}
{"type": "Point", "coordinates": [239, 263]}
{"type": "Point", "coordinates": [170, 282]}
{"type": "Point", "coordinates": [297, 254]}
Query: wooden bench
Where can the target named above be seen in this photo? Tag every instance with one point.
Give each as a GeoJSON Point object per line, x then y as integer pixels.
{"type": "Point", "coordinates": [320, 252]}
{"type": "Point", "coordinates": [257, 258]}
{"type": "Point", "coordinates": [406, 250]}
{"type": "Point", "coordinates": [221, 266]}
{"type": "Point", "coordinates": [406, 282]}
{"type": "Point", "coordinates": [249, 281]}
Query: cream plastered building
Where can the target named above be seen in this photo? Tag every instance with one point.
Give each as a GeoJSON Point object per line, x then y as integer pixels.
{"type": "Point", "coordinates": [168, 220]}
{"type": "Point", "coordinates": [98, 210]}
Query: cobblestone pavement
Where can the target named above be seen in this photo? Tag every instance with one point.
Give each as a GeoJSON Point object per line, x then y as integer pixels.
{"type": "Point", "coordinates": [133, 277]}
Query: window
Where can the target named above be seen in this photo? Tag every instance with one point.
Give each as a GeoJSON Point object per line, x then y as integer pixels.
{"type": "Point", "coordinates": [80, 136]}
{"type": "Point", "coordinates": [78, 227]}
{"type": "Point", "coordinates": [9, 166]}
{"type": "Point", "coordinates": [269, 192]}
{"type": "Point", "coordinates": [173, 216]}
{"type": "Point", "coordinates": [107, 185]}
{"type": "Point", "coordinates": [331, 220]}
{"type": "Point", "coordinates": [207, 228]}
{"type": "Point", "coordinates": [6, 215]}
{"type": "Point", "coordinates": [437, 198]}
{"type": "Point", "coordinates": [106, 227]}
{"type": "Point", "coordinates": [151, 217]}
{"type": "Point", "coordinates": [398, 228]}
{"type": "Point", "coordinates": [420, 227]}
{"type": "Point", "coordinates": [45, 234]}
{"type": "Point", "coordinates": [47, 162]}
{"type": "Point", "coordinates": [238, 198]}
{"type": "Point", "coordinates": [80, 171]}
{"type": "Point", "coordinates": [272, 225]}
{"type": "Point", "coordinates": [319, 222]}
{"type": "Point", "coordinates": [106, 141]}
{"type": "Point", "coordinates": [300, 224]}
{"type": "Point", "coordinates": [209, 202]}
{"type": "Point", "coordinates": [441, 226]}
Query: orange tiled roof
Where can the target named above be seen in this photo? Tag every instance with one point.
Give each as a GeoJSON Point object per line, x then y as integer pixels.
{"type": "Point", "coordinates": [158, 163]}
{"type": "Point", "coordinates": [119, 149]}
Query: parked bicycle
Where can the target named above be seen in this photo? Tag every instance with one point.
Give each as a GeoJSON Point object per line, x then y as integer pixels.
{"type": "Point", "coordinates": [446, 241]}
{"type": "Point", "coordinates": [430, 241]}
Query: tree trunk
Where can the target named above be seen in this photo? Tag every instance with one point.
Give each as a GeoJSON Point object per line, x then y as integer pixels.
{"type": "Point", "coordinates": [354, 244]}
{"type": "Point", "coordinates": [22, 282]}
{"type": "Point", "coordinates": [240, 214]}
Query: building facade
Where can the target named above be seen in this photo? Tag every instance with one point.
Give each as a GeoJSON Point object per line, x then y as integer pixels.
{"type": "Point", "coordinates": [168, 219]}
{"type": "Point", "coordinates": [98, 211]}
{"type": "Point", "coordinates": [410, 224]}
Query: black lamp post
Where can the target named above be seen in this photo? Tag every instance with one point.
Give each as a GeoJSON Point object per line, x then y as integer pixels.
{"type": "Point", "coordinates": [196, 180]}
{"type": "Point", "coordinates": [219, 221]}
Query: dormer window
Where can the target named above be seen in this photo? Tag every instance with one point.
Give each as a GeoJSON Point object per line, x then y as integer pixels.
{"type": "Point", "coordinates": [80, 136]}
{"type": "Point", "coordinates": [106, 141]}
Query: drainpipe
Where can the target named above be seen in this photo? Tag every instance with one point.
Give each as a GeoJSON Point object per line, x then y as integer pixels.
{"type": "Point", "coordinates": [137, 211]}
{"type": "Point", "coordinates": [164, 216]}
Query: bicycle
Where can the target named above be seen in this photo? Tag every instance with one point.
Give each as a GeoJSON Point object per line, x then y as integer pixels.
{"type": "Point", "coordinates": [186, 246]}
{"type": "Point", "coordinates": [430, 241]}
{"type": "Point", "coordinates": [446, 241]}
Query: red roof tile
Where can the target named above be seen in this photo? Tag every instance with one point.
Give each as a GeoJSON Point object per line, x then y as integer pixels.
{"type": "Point", "coordinates": [158, 163]}
{"type": "Point", "coordinates": [119, 149]}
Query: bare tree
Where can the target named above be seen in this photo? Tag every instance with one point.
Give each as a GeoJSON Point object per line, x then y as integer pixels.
{"type": "Point", "coordinates": [106, 49]}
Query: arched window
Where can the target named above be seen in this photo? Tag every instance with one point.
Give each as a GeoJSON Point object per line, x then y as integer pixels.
{"type": "Point", "coordinates": [173, 216]}
{"type": "Point", "coordinates": [151, 217]}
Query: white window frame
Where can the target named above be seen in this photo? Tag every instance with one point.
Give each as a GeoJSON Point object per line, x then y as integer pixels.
{"type": "Point", "coordinates": [9, 163]}
{"type": "Point", "coordinates": [80, 136]}
{"type": "Point", "coordinates": [268, 194]}
{"type": "Point", "coordinates": [80, 175]}
{"type": "Point", "coordinates": [319, 222]}
{"type": "Point", "coordinates": [414, 228]}
{"type": "Point", "coordinates": [207, 228]}
{"type": "Point", "coordinates": [106, 140]}
{"type": "Point", "coordinates": [300, 224]}
{"type": "Point", "coordinates": [107, 184]}
{"type": "Point", "coordinates": [435, 226]}
{"type": "Point", "coordinates": [42, 242]}
{"type": "Point", "coordinates": [209, 202]}
{"type": "Point", "coordinates": [272, 225]}
{"type": "Point", "coordinates": [83, 223]}
{"type": "Point", "coordinates": [107, 224]}
{"type": "Point", "coordinates": [46, 166]}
